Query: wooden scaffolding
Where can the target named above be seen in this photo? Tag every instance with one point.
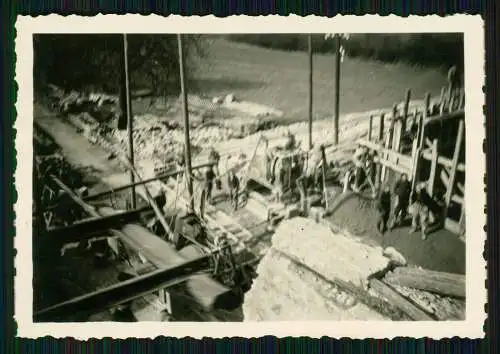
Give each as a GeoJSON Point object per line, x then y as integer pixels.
{"type": "Point", "coordinates": [429, 146]}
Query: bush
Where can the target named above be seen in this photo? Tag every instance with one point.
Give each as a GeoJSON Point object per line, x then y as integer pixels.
{"type": "Point", "coordinates": [426, 49]}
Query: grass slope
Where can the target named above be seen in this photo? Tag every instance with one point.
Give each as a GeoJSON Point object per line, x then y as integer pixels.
{"type": "Point", "coordinates": [280, 79]}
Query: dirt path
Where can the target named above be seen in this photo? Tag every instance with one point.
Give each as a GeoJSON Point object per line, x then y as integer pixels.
{"type": "Point", "coordinates": [442, 251]}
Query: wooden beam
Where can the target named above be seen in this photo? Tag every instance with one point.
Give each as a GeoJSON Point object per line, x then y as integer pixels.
{"type": "Point", "coordinates": [456, 155]}
{"type": "Point", "coordinates": [144, 181]}
{"type": "Point", "coordinates": [122, 292]}
{"type": "Point", "coordinates": [434, 162]}
{"type": "Point", "coordinates": [446, 116]}
{"type": "Point", "coordinates": [83, 230]}
{"type": "Point", "coordinates": [444, 161]}
{"type": "Point", "coordinates": [393, 156]}
{"type": "Point", "coordinates": [448, 284]}
{"type": "Point", "coordinates": [412, 310]}
{"type": "Point", "coordinates": [393, 166]}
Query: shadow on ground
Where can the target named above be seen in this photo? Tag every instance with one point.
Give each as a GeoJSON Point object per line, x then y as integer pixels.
{"type": "Point", "coordinates": [442, 251]}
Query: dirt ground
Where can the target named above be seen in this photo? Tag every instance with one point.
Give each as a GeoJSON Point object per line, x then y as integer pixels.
{"type": "Point", "coordinates": [442, 251]}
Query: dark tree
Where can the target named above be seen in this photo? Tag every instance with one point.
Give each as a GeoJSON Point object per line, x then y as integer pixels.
{"type": "Point", "coordinates": [94, 61]}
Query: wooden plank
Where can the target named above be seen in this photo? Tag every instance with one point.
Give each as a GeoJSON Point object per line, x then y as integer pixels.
{"type": "Point", "coordinates": [434, 162]}
{"type": "Point", "coordinates": [447, 284]}
{"type": "Point", "coordinates": [396, 128]}
{"type": "Point", "coordinates": [456, 155]}
{"type": "Point", "coordinates": [144, 181]}
{"type": "Point", "coordinates": [393, 156]}
{"type": "Point", "coordinates": [444, 161]}
{"type": "Point", "coordinates": [395, 167]}
{"type": "Point", "coordinates": [412, 310]}
{"type": "Point", "coordinates": [446, 116]}
{"type": "Point", "coordinates": [123, 292]}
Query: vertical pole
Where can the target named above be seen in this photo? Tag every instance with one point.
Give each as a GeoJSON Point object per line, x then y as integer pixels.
{"type": "Point", "coordinates": [442, 100]}
{"type": "Point", "coordinates": [187, 143]}
{"type": "Point", "coordinates": [309, 47]}
{"type": "Point", "coordinates": [130, 128]}
{"type": "Point", "coordinates": [378, 171]}
{"type": "Point", "coordinates": [434, 162]}
{"type": "Point", "coordinates": [453, 170]}
{"type": "Point", "coordinates": [337, 90]}
{"type": "Point", "coordinates": [406, 110]}
{"type": "Point", "coordinates": [370, 128]}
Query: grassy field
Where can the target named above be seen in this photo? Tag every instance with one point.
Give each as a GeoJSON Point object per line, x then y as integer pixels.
{"type": "Point", "coordinates": [280, 79]}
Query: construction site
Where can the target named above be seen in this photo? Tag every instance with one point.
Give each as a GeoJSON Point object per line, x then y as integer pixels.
{"type": "Point", "coordinates": [202, 210]}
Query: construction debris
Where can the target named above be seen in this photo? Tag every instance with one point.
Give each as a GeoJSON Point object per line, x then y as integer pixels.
{"type": "Point", "coordinates": [301, 246]}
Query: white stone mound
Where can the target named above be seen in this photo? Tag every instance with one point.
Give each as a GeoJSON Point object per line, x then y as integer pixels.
{"type": "Point", "coordinates": [296, 278]}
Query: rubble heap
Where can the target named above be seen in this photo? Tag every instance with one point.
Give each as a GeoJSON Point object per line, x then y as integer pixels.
{"type": "Point", "coordinates": [300, 277]}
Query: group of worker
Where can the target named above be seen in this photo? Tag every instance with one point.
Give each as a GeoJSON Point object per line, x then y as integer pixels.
{"type": "Point", "coordinates": [401, 200]}
{"type": "Point", "coordinates": [395, 203]}
{"type": "Point", "coordinates": [212, 178]}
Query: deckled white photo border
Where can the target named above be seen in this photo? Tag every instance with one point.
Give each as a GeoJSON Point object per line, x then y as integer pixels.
{"type": "Point", "coordinates": [473, 29]}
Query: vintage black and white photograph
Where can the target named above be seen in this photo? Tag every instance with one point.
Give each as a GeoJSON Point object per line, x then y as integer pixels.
{"type": "Point", "coordinates": [251, 177]}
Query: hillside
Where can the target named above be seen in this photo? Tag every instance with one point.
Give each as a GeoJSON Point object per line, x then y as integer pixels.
{"type": "Point", "coordinates": [280, 79]}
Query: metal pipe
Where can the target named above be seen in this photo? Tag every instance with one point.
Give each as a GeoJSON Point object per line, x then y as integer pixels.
{"type": "Point", "coordinates": [187, 142]}
{"type": "Point", "coordinates": [336, 116]}
{"type": "Point", "coordinates": [130, 129]}
{"type": "Point", "coordinates": [309, 44]}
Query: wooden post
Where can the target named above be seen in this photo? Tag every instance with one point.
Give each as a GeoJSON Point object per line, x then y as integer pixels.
{"type": "Point", "coordinates": [388, 141]}
{"type": "Point", "coordinates": [451, 105]}
{"type": "Point", "coordinates": [378, 172]}
{"type": "Point", "coordinates": [427, 103]}
{"type": "Point", "coordinates": [130, 129]}
{"type": "Point", "coordinates": [309, 45]}
{"type": "Point", "coordinates": [442, 100]}
{"type": "Point", "coordinates": [336, 116]}
{"type": "Point", "coordinates": [434, 162]}
{"type": "Point", "coordinates": [187, 141]}
{"type": "Point", "coordinates": [396, 126]}
{"type": "Point", "coordinates": [370, 128]}
{"type": "Point", "coordinates": [406, 110]}
{"type": "Point", "coordinates": [461, 102]}
{"type": "Point", "coordinates": [453, 170]}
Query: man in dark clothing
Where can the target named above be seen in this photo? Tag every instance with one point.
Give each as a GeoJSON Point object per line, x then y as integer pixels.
{"type": "Point", "coordinates": [384, 209]}
{"type": "Point", "coordinates": [402, 190]}
{"type": "Point", "coordinates": [209, 183]}
{"type": "Point", "coordinates": [234, 189]}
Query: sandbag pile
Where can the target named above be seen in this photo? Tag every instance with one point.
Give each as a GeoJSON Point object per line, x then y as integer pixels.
{"type": "Point", "coordinates": [298, 278]}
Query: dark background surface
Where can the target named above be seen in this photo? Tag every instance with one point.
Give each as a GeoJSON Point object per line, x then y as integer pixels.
{"type": "Point", "coordinates": [10, 10]}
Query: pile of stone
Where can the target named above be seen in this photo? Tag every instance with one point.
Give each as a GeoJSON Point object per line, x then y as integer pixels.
{"type": "Point", "coordinates": [301, 276]}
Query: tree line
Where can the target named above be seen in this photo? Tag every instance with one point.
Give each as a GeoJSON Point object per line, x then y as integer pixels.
{"type": "Point", "coordinates": [95, 61]}
{"type": "Point", "coordinates": [425, 49]}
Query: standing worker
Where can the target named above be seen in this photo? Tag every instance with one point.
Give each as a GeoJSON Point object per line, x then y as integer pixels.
{"type": "Point", "coordinates": [359, 160]}
{"type": "Point", "coordinates": [234, 189]}
{"type": "Point", "coordinates": [419, 212]}
{"type": "Point", "coordinates": [402, 191]}
{"type": "Point", "coordinates": [209, 183]}
{"type": "Point", "coordinates": [384, 208]}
